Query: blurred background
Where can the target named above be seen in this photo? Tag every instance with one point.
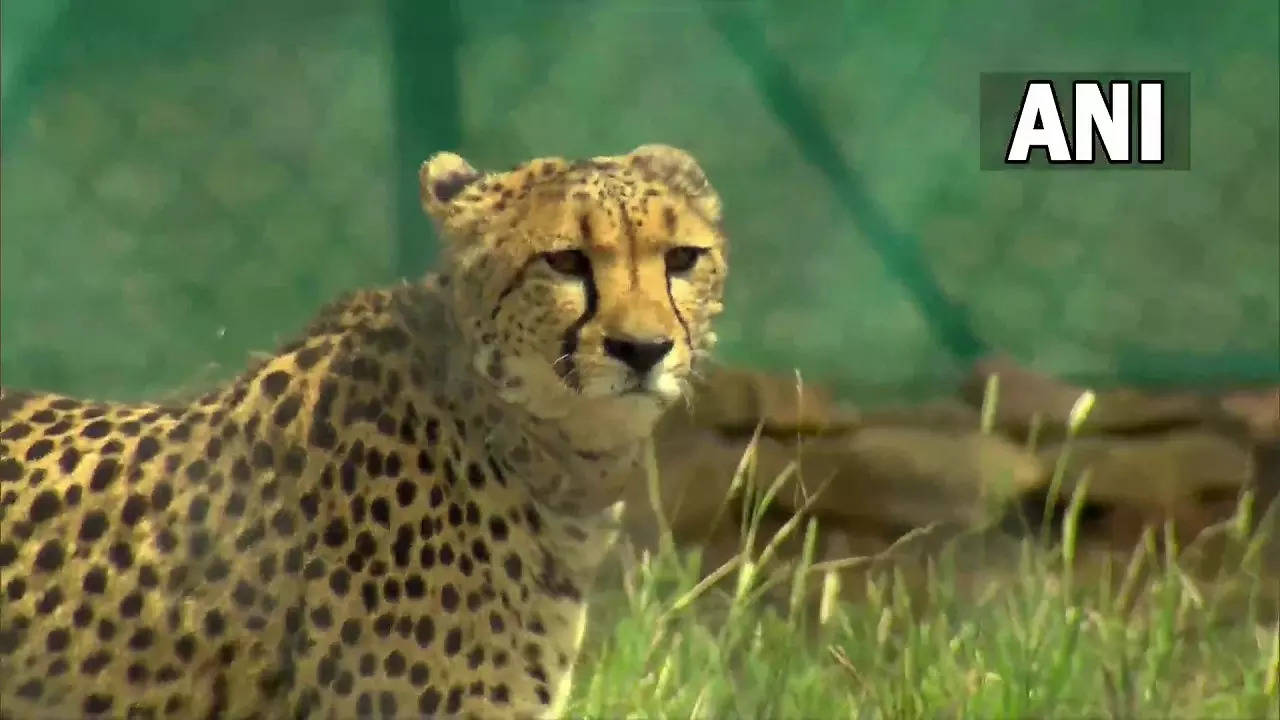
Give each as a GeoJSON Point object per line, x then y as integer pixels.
{"type": "Point", "coordinates": [184, 183]}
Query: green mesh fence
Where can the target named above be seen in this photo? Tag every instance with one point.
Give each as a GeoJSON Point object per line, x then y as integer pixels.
{"type": "Point", "coordinates": [186, 182]}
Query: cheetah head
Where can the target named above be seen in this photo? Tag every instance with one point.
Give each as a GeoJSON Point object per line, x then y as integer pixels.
{"type": "Point", "coordinates": [583, 285]}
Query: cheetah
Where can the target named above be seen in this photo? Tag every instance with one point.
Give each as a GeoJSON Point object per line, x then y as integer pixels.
{"type": "Point", "coordinates": [401, 513]}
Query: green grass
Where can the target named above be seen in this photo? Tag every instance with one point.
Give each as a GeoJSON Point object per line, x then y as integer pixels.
{"type": "Point", "coordinates": [980, 625]}
{"type": "Point", "coordinates": [1030, 646]}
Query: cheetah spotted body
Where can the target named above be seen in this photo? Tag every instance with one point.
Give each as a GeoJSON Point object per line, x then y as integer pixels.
{"type": "Point", "coordinates": [398, 515]}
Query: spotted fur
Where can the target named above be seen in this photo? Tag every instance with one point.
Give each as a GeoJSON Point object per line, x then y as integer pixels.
{"type": "Point", "coordinates": [399, 514]}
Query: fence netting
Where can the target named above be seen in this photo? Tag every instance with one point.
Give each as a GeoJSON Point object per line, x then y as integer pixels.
{"type": "Point", "coordinates": [184, 183]}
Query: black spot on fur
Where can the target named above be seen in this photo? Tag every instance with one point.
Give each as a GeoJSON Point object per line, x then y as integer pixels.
{"type": "Point", "coordinates": [104, 474]}
{"type": "Point", "coordinates": [447, 188]}
{"type": "Point", "coordinates": [50, 556]}
{"type": "Point", "coordinates": [69, 459]}
{"type": "Point", "coordinates": [274, 383]}
{"type": "Point", "coordinates": [92, 525]}
{"type": "Point", "coordinates": [287, 410]}
{"type": "Point", "coordinates": [424, 632]}
{"type": "Point", "coordinates": [45, 505]}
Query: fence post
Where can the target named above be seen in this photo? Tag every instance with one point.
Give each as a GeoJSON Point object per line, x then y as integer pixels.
{"type": "Point", "coordinates": [424, 87]}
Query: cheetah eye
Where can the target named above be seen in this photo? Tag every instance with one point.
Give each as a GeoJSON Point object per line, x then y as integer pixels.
{"type": "Point", "coordinates": [569, 262]}
{"type": "Point", "coordinates": [682, 259]}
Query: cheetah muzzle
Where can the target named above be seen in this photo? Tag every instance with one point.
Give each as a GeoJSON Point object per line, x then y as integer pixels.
{"type": "Point", "coordinates": [397, 515]}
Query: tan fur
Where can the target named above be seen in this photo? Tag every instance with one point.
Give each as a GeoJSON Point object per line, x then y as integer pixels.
{"type": "Point", "coordinates": [398, 514]}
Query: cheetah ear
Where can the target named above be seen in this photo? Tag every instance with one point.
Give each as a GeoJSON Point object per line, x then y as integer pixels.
{"type": "Point", "coordinates": [441, 179]}
{"type": "Point", "coordinates": [682, 173]}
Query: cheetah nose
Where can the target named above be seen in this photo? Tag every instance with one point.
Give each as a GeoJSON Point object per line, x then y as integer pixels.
{"type": "Point", "coordinates": [639, 355]}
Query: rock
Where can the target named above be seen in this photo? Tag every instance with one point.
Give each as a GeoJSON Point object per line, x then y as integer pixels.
{"type": "Point", "coordinates": [914, 467]}
{"type": "Point", "coordinates": [699, 447]}
{"type": "Point", "coordinates": [1257, 410]}
{"type": "Point", "coordinates": [1191, 477]}
{"type": "Point", "coordinates": [944, 414]}
{"type": "Point", "coordinates": [902, 478]}
{"type": "Point", "coordinates": [884, 481]}
{"type": "Point", "coordinates": [1024, 393]}
{"type": "Point", "coordinates": [735, 401]}
{"type": "Point", "coordinates": [893, 470]}
{"type": "Point", "coordinates": [1266, 457]}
